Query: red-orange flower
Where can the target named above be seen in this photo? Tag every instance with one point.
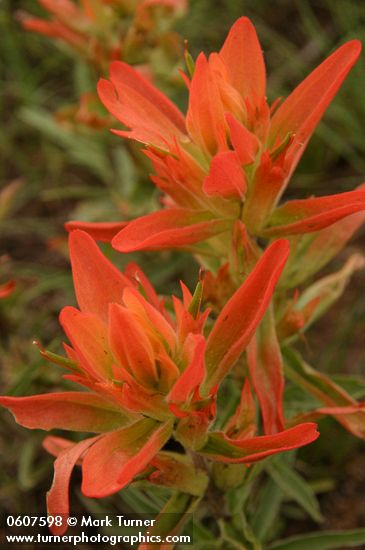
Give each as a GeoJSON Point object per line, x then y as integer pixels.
{"type": "Point", "coordinates": [6, 289]}
{"type": "Point", "coordinates": [103, 30]}
{"type": "Point", "coordinates": [232, 156]}
{"type": "Point", "coordinates": [150, 375]}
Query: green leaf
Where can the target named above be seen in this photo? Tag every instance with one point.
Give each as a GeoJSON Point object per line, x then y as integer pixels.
{"type": "Point", "coordinates": [325, 540]}
{"type": "Point", "coordinates": [316, 383]}
{"type": "Point", "coordinates": [140, 501]}
{"type": "Point", "coordinates": [81, 149]}
{"type": "Point", "coordinates": [266, 512]}
{"type": "Point", "coordinates": [354, 385]}
{"type": "Point", "coordinates": [196, 301]}
{"type": "Point", "coordinates": [295, 487]}
{"type": "Point", "coordinates": [173, 516]}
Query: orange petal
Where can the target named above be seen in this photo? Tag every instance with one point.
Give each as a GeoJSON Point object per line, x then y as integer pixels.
{"type": "Point", "coordinates": [132, 99]}
{"type": "Point", "coordinates": [117, 457]}
{"type": "Point", "coordinates": [266, 369]}
{"type": "Point", "coordinates": [192, 376]}
{"type": "Point", "coordinates": [205, 117]}
{"type": "Point", "coordinates": [171, 228]}
{"type": "Point", "coordinates": [57, 496]}
{"type": "Point", "coordinates": [242, 55]}
{"type": "Point", "coordinates": [130, 345]}
{"type": "Point", "coordinates": [300, 113]}
{"type": "Point", "coordinates": [55, 445]}
{"type": "Point", "coordinates": [133, 271]}
{"type": "Point", "coordinates": [6, 289]}
{"type": "Point", "coordinates": [224, 449]}
{"type": "Point", "coordinates": [121, 74]}
{"type": "Point", "coordinates": [88, 335]}
{"type": "Point", "coordinates": [78, 411]}
{"type": "Point", "coordinates": [243, 422]}
{"type": "Point", "coordinates": [241, 315]}
{"type": "Point", "coordinates": [319, 248]}
{"type": "Point", "coordinates": [91, 270]}
{"type": "Point", "coordinates": [308, 215]}
{"type": "Point", "coordinates": [244, 142]}
{"type": "Point", "coordinates": [158, 322]}
{"type": "Point", "coordinates": [100, 231]}
{"type": "Point", "coordinates": [226, 177]}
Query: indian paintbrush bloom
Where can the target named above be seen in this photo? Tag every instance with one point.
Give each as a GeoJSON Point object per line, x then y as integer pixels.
{"type": "Point", "coordinates": [103, 30]}
{"type": "Point", "coordinates": [151, 375]}
{"type": "Point", "coordinates": [6, 289]}
{"type": "Point", "coordinates": [231, 157]}
{"type": "Point", "coordinates": [223, 169]}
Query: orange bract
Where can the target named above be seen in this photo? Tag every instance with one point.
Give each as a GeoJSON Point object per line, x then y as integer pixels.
{"type": "Point", "coordinates": [233, 156]}
{"type": "Point", "coordinates": [150, 376]}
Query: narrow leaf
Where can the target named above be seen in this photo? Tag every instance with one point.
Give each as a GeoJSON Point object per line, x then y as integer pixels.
{"type": "Point", "coordinates": [325, 540]}
{"type": "Point", "coordinates": [295, 487]}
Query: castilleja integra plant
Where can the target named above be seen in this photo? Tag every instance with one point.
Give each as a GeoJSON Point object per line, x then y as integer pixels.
{"type": "Point", "coordinates": [231, 157]}
{"type": "Point", "coordinates": [223, 169]}
{"type": "Point", "coordinates": [101, 31]}
{"type": "Point", "coordinates": [151, 370]}
{"type": "Point", "coordinates": [151, 376]}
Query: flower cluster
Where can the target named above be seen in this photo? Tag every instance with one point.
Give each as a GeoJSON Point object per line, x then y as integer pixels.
{"type": "Point", "coordinates": [153, 367]}
{"type": "Point", "coordinates": [105, 30]}
{"type": "Point", "coordinates": [229, 160]}
{"type": "Point", "coordinates": [100, 31]}
{"type": "Point", "coordinates": [223, 169]}
{"type": "Point", "coordinates": [152, 375]}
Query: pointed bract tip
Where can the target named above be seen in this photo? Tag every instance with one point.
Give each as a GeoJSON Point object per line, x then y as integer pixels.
{"type": "Point", "coordinates": [281, 246]}
{"type": "Point", "coordinates": [78, 236]}
{"type": "Point", "coordinates": [355, 45]}
{"type": "Point", "coordinates": [117, 65]}
{"type": "Point", "coordinates": [244, 22]}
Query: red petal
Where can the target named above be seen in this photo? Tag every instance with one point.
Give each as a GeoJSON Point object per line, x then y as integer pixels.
{"type": "Point", "coordinates": [89, 337]}
{"type": "Point", "coordinates": [139, 399]}
{"type": "Point", "coordinates": [90, 271]}
{"type": "Point", "coordinates": [54, 29]}
{"type": "Point", "coordinates": [244, 142]}
{"type": "Point", "coordinates": [103, 232]}
{"type": "Point", "coordinates": [242, 55]}
{"type": "Point", "coordinates": [192, 376]}
{"type": "Point", "coordinates": [224, 449]}
{"type": "Point", "coordinates": [243, 422]}
{"type": "Point", "coordinates": [266, 369]}
{"type": "Point", "coordinates": [6, 289]}
{"type": "Point", "coordinates": [205, 117]}
{"type": "Point", "coordinates": [123, 75]}
{"type": "Point", "coordinates": [172, 228]}
{"type": "Point", "coordinates": [133, 271]}
{"type": "Point", "coordinates": [334, 411]}
{"type": "Point", "coordinates": [57, 496]}
{"type": "Point", "coordinates": [226, 177]}
{"type": "Point", "coordinates": [308, 215]}
{"type": "Point", "coordinates": [113, 462]}
{"type": "Point", "coordinates": [131, 346]}
{"type": "Point", "coordinates": [78, 411]}
{"type": "Point", "coordinates": [303, 109]}
{"type": "Point", "coordinates": [152, 117]}
{"type": "Point", "coordinates": [241, 315]}
{"type": "Point", "coordinates": [56, 445]}
{"type": "Point", "coordinates": [157, 321]}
